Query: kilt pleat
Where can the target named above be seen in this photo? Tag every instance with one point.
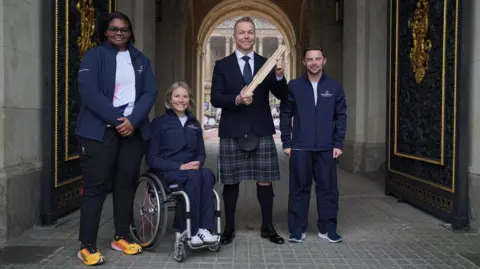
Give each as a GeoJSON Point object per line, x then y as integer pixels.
{"type": "Point", "coordinates": [235, 165]}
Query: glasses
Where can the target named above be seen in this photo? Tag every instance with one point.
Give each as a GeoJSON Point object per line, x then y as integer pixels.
{"type": "Point", "coordinates": [114, 29]}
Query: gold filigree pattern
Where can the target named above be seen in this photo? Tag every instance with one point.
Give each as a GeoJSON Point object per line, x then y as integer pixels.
{"type": "Point", "coordinates": [87, 20]}
{"type": "Point", "coordinates": [419, 53]}
{"type": "Point", "coordinates": [68, 197]}
{"type": "Point", "coordinates": [419, 193]}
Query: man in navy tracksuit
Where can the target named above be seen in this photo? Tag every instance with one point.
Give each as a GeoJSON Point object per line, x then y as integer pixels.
{"type": "Point", "coordinates": [317, 104]}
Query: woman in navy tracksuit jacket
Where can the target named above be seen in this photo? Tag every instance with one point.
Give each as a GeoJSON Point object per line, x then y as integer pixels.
{"type": "Point", "coordinates": [177, 153]}
{"type": "Point", "coordinates": [318, 107]}
{"type": "Point", "coordinates": [117, 89]}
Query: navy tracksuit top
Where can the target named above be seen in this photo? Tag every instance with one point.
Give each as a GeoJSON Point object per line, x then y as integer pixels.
{"type": "Point", "coordinates": [172, 144]}
{"type": "Point", "coordinates": [317, 127]}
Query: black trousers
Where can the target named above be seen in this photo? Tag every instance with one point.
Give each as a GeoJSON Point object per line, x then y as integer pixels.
{"type": "Point", "coordinates": [115, 161]}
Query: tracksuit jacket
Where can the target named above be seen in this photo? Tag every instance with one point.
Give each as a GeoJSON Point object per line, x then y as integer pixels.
{"type": "Point", "coordinates": [319, 127]}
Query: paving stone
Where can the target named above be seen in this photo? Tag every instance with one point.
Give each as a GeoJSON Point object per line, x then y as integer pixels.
{"type": "Point", "coordinates": [378, 233]}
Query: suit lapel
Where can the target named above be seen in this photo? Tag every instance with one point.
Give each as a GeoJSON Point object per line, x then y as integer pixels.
{"type": "Point", "coordinates": [257, 63]}
{"type": "Point", "coordinates": [236, 67]}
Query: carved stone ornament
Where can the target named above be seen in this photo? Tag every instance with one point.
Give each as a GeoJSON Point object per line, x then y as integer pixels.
{"type": "Point", "coordinates": [419, 53]}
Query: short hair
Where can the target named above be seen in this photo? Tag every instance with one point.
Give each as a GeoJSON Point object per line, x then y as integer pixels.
{"type": "Point", "coordinates": [103, 26]}
{"type": "Point", "coordinates": [313, 48]}
{"type": "Point", "coordinates": [243, 19]}
{"type": "Point", "coordinates": [176, 85]}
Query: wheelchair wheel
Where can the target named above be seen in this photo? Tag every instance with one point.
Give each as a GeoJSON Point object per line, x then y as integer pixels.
{"type": "Point", "coordinates": [179, 252]}
{"type": "Point", "coordinates": [150, 211]}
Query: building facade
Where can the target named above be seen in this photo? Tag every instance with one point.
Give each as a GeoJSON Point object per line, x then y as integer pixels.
{"type": "Point", "coordinates": [410, 70]}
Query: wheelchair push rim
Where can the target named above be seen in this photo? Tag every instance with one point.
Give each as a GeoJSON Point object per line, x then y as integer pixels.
{"type": "Point", "coordinates": [149, 212]}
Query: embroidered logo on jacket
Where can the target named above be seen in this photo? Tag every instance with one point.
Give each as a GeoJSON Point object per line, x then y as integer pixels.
{"type": "Point", "coordinates": [192, 126]}
{"type": "Point", "coordinates": [326, 94]}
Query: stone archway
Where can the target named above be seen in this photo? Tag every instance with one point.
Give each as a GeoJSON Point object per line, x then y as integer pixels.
{"type": "Point", "coordinates": [255, 8]}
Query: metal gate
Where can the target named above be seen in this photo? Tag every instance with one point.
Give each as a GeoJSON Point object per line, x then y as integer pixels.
{"type": "Point", "coordinates": [73, 33]}
{"type": "Point", "coordinates": [423, 128]}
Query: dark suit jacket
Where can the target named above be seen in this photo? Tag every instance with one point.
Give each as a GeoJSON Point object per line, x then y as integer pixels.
{"type": "Point", "coordinates": [237, 120]}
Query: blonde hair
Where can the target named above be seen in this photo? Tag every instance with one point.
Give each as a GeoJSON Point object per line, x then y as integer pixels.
{"type": "Point", "coordinates": [243, 19]}
{"type": "Point", "coordinates": [176, 85]}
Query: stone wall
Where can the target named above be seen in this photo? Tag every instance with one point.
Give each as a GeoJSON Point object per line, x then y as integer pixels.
{"type": "Point", "coordinates": [21, 111]}
{"type": "Point", "coordinates": [470, 94]}
{"type": "Point", "coordinates": [364, 81]}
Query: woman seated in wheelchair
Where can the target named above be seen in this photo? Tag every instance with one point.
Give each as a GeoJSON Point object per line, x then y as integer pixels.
{"type": "Point", "coordinates": [177, 153]}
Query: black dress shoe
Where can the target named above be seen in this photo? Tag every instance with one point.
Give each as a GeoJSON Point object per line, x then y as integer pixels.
{"type": "Point", "coordinates": [227, 236]}
{"type": "Point", "coordinates": [272, 235]}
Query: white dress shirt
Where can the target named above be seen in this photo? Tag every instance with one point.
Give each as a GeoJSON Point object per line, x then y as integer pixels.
{"type": "Point", "coordinates": [241, 62]}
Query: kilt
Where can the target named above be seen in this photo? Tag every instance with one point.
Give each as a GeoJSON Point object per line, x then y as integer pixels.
{"type": "Point", "coordinates": [236, 165]}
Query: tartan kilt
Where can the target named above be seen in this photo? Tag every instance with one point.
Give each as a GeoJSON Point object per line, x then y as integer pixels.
{"type": "Point", "coordinates": [235, 165]}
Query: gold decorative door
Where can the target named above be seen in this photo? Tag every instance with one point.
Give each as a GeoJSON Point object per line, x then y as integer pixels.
{"type": "Point", "coordinates": [423, 109]}
{"type": "Point", "coordinates": [74, 24]}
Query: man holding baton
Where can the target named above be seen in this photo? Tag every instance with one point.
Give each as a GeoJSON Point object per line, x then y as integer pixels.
{"type": "Point", "coordinates": [318, 107]}
{"type": "Point", "coordinates": [247, 148]}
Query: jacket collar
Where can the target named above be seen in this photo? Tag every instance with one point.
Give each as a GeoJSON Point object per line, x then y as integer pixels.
{"type": "Point", "coordinates": [323, 77]}
{"type": "Point", "coordinates": [133, 51]}
{"type": "Point", "coordinates": [172, 113]}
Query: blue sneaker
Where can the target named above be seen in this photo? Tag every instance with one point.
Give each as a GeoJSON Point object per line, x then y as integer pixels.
{"type": "Point", "coordinates": [331, 237]}
{"type": "Point", "coordinates": [295, 239]}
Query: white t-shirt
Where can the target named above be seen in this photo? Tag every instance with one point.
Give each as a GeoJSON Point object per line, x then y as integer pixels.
{"type": "Point", "coordinates": [314, 85]}
{"type": "Point", "coordinates": [124, 96]}
{"type": "Point", "coordinates": [183, 119]}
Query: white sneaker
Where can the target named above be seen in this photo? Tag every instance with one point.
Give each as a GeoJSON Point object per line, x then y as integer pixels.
{"type": "Point", "coordinates": [206, 236]}
{"type": "Point", "coordinates": [304, 236]}
{"type": "Point", "coordinates": [196, 241]}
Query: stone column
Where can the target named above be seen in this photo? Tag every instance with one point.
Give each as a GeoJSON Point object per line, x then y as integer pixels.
{"type": "Point", "coordinates": [142, 15]}
{"type": "Point", "coordinates": [208, 60]}
{"type": "Point", "coordinates": [227, 45]}
{"type": "Point", "coordinates": [280, 40]}
{"type": "Point", "coordinates": [234, 45]}
{"type": "Point", "coordinates": [328, 34]}
{"type": "Point", "coordinates": [170, 49]}
{"type": "Point", "coordinates": [25, 104]}
{"type": "Point", "coordinates": [286, 59]}
{"type": "Point", "coordinates": [179, 29]}
{"type": "Point", "coordinates": [470, 81]}
{"type": "Point", "coordinates": [260, 45]}
{"type": "Point", "coordinates": [364, 73]}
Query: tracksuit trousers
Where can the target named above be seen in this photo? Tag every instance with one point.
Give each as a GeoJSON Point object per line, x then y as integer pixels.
{"type": "Point", "coordinates": [321, 166]}
{"type": "Point", "coordinates": [198, 184]}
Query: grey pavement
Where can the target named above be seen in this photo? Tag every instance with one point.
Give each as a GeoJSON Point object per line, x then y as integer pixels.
{"type": "Point", "coordinates": [378, 233]}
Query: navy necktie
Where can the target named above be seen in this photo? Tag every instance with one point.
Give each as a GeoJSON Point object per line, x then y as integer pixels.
{"type": "Point", "coordinates": [247, 71]}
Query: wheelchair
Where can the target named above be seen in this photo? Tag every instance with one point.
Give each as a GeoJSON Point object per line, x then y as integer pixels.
{"type": "Point", "coordinates": [154, 198]}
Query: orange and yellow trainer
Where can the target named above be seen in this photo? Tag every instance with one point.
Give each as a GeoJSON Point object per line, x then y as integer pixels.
{"type": "Point", "coordinates": [126, 245]}
{"type": "Point", "coordinates": [90, 256]}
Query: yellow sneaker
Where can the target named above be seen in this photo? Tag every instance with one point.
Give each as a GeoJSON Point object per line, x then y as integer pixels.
{"type": "Point", "coordinates": [126, 245]}
{"type": "Point", "coordinates": [90, 256]}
